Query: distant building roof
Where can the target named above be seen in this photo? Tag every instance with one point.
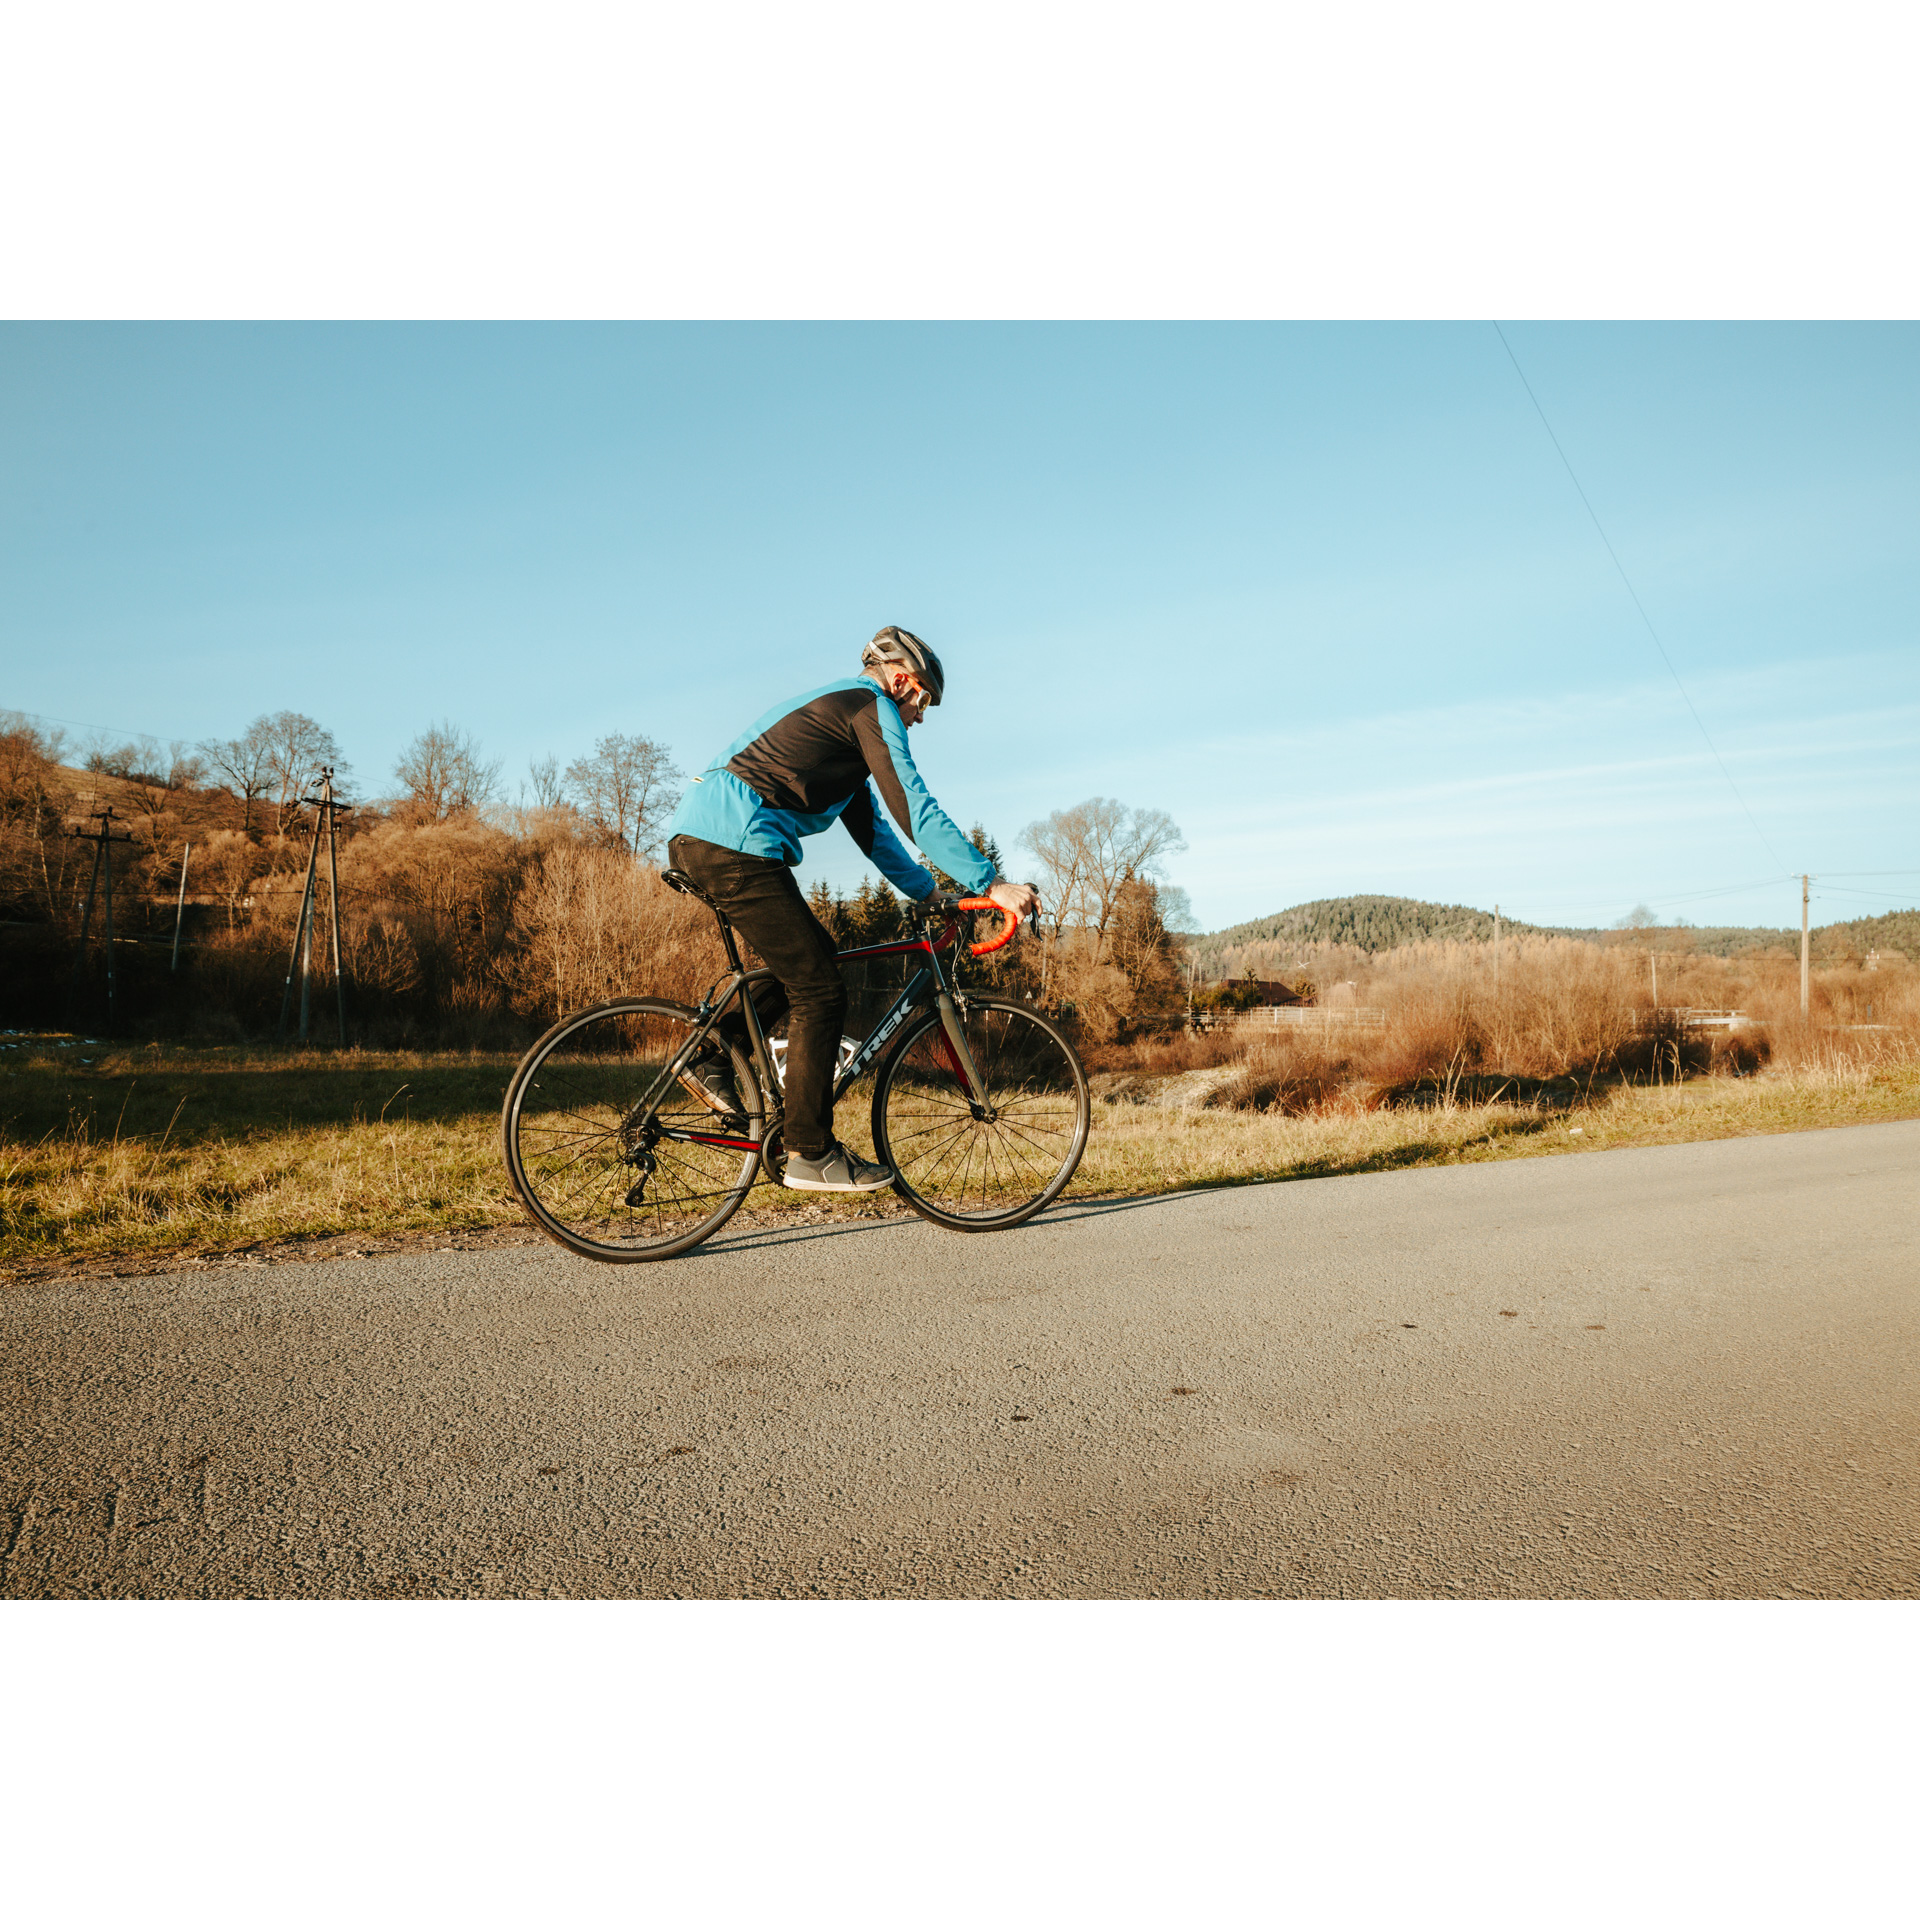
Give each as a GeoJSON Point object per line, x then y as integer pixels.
{"type": "Point", "coordinates": [1276, 993]}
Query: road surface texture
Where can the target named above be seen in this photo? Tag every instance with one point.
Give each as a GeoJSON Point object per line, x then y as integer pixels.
{"type": "Point", "coordinates": [1684, 1370]}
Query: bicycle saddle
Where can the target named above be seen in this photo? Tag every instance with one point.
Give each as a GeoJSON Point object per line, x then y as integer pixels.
{"type": "Point", "coordinates": [680, 883]}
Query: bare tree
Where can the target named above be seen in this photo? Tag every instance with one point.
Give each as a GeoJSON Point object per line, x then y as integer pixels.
{"type": "Point", "coordinates": [183, 769]}
{"type": "Point", "coordinates": [627, 788]}
{"type": "Point", "coordinates": [544, 777]}
{"type": "Point", "coordinates": [1176, 910]}
{"type": "Point", "coordinates": [275, 759]}
{"type": "Point", "coordinates": [296, 749]}
{"type": "Point", "coordinates": [244, 768]}
{"type": "Point", "coordinates": [444, 774]}
{"type": "Point", "coordinates": [43, 743]}
{"type": "Point", "coordinates": [156, 776]}
{"type": "Point", "coordinates": [27, 758]}
{"type": "Point", "coordinates": [1088, 853]}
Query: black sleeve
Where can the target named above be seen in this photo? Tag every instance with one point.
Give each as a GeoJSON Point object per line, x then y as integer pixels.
{"type": "Point", "coordinates": [886, 776]}
{"type": "Point", "coordinates": [857, 817]}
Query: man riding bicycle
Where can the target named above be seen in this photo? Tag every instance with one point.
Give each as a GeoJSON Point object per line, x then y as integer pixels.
{"type": "Point", "coordinates": [736, 834]}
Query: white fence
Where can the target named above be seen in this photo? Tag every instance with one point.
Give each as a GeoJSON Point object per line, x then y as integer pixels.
{"type": "Point", "coordinates": [1291, 1018]}
{"type": "Point", "coordinates": [1726, 1019]}
{"type": "Point", "coordinates": [1294, 1019]}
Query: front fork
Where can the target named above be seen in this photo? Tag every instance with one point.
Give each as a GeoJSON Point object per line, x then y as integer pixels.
{"type": "Point", "coordinates": [960, 1055]}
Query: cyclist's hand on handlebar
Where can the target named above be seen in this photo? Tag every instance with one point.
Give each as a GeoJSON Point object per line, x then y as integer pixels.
{"type": "Point", "coordinates": [1015, 897]}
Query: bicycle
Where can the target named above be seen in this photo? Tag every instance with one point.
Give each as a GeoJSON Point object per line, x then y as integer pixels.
{"type": "Point", "coordinates": [980, 1104]}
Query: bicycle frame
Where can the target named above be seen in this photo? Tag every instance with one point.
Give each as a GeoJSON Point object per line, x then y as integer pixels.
{"type": "Point", "coordinates": [926, 983]}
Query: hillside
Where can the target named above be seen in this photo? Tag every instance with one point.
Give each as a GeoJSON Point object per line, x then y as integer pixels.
{"type": "Point", "coordinates": [1897, 932]}
{"type": "Point", "coordinates": [1371, 922]}
{"type": "Point", "coordinates": [1375, 923]}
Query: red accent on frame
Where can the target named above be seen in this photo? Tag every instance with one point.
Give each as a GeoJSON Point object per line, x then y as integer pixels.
{"type": "Point", "coordinates": [732, 1140]}
{"type": "Point", "coordinates": [953, 1060]}
{"type": "Point", "coordinates": [898, 946]}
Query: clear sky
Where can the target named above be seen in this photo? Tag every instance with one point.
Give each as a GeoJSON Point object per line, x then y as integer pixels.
{"type": "Point", "coordinates": [1324, 593]}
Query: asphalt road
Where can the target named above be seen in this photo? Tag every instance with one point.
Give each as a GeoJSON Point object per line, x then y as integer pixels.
{"type": "Point", "coordinates": [1680, 1370]}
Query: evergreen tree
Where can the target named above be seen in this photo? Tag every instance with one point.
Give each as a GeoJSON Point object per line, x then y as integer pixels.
{"type": "Point", "coordinates": [831, 912]}
{"type": "Point", "coordinates": [987, 844]}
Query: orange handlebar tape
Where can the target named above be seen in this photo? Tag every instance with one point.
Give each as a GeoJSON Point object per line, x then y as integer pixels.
{"type": "Point", "coordinates": [1003, 936]}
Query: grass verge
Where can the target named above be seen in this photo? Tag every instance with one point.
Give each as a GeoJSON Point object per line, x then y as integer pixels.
{"type": "Point", "coordinates": [156, 1151]}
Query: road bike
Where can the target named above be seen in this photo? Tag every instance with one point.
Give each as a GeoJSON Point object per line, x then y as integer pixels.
{"type": "Point", "coordinates": [979, 1102]}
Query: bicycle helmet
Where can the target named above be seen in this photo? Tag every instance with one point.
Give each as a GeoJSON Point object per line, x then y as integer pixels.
{"type": "Point", "coordinates": [895, 646]}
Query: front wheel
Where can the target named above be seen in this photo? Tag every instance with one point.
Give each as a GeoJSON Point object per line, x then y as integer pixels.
{"type": "Point", "coordinates": [611, 1154]}
{"type": "Point", "coordinates": [976, 1170]}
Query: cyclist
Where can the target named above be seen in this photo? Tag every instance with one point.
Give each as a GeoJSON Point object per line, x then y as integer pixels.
{"type": "Point", "coordinates": [737, 834]}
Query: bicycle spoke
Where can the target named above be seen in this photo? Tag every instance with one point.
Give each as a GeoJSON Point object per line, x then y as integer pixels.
{"type": "Point", "coordinates": [985, 1165]}
{"type": "Point", "coordinates": [585, 1140]}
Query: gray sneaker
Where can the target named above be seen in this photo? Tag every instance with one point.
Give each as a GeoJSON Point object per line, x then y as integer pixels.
{"type": "Point", "coordinates": [836, 1171]}
{"type": "Point", "coordinates": [708, 1076]}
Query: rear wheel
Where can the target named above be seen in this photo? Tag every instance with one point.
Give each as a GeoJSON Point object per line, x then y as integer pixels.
{"type": "Point", "coordinates": [587, 1126]}
{"type": "Point", "coordinates": [979, 1170]}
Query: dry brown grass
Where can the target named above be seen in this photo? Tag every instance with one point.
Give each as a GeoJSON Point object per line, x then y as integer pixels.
{"type": "Point", "coordinates": [1563, 1017]}
{"type": "Point", "coordinates": [162, 1149]}
{"type": "Point", "coordinates": [166, 1150]}
{"type": "Point", "coordinates": [1142, 1148]}
{"type": "Point", "coordinates": [168, 1154]}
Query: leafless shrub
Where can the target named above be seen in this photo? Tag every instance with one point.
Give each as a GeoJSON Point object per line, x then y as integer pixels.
{"type": "Point", "coordinates": [381, 955]}
{"type": "Point", "coordinates": [591, 924]}
{"type": "Point", "coordinates": [224, 864]}
{"type": "Point", "coordinates": [1286, 1075]}
{"type": "Point", "coordinates": [1180, 1051]}
{"type": "Point", "coordinates": [1739, 1052]}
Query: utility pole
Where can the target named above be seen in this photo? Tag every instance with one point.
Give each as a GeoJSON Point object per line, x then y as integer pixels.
{"type": "Point", "coordinates": [300, 960]}
{"type": "Point", "coordinates": [180, 911]}
{"type": "Point", "coordinates": [1500, 1025]}
{"type": "Point", "coordinates": [1804, 879]}
{"type": "Point", "coordinates": [104, 839]}
{"type": "Point", "coordinates": [1653, 974]}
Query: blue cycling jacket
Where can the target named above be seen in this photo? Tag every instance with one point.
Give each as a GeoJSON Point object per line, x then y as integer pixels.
{"type": "Point", "coordinates": [804, 765]}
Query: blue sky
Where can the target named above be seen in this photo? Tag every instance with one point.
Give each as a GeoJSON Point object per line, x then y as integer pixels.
{"type": "Point", "coordinates": [1324, 593]}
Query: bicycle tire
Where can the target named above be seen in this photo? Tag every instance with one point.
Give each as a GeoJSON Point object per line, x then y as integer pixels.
{"type": "Point", "coordinates": [969, 1174]}
{"type": "Point", "coordinates": [589, 1176]}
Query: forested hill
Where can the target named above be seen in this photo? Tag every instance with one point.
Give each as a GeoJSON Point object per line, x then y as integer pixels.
{"type": "Point", "coordinates": [1375, 922]}
{"type": "Point", "coordinates": [1896, 932]}
{"type": "Point", "coordinates": [1370, 921]}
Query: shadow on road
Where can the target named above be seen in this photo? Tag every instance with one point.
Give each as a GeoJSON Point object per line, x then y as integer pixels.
{"type": "Point", "coordinates": [1065, 1213]}
{"type": "Point", "coordinates": [788, 1236]}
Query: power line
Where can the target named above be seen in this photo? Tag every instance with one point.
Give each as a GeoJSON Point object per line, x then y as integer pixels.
{"type": "Point", "coordinates": [1716, 893]}
{"type": "Point", "coordinates": [1869, 893]}
{"type": "Point", "coordinates": [94, 726]}
{"type": "Point", "coordinates": [1628, 584]}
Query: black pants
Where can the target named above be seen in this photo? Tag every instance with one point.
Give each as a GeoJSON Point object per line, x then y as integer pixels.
{"type": "Point", "coordinates": [763, 900]}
